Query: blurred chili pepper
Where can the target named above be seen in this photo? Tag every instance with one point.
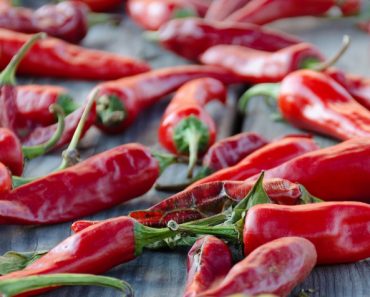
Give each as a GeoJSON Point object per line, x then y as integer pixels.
{"type": "Point", "coordinates": [276, 267]}
{"type": "Point", "coordinates": [190, 37]}
{"type": "Point", "coordinates": [269, 156]}
{"type": "Point", "coordinates": [365, 26]}
{"type": "Point", "coordinates": [34, 101]}
{"type": "Point", "coordinates": [209, 260]}
{"type": "Point", "coordinates": [5, 179]}
{"type": "Point", "coordinates": [152, 14]}
{"type": "Point", "coordinates": [186, 127]}
{"type": "Point", "coordinates": [101, 5]}
{"type": "Point", "coordinates": [220, 9]}
{"type": "Point", "coordinates": [8, 92]}
{"type": "Point", "coordinates": [121, 101]}
{"type": "Point", "coordinates": [256, 66]}
{"type": "Point", "coordinates": [56, 58]}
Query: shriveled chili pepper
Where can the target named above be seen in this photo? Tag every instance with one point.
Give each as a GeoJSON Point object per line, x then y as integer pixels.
{"type": "Point", "coordinates": [57, 58]}
{"type": "Point", "coordinates": [101, 5]}
{"type": "Point", "coordinates": [209, 260]}
{"type": "Point", "coordinates": [190, 37]}
{"type": "Point", "coordinates": [265, 11]}
{"type": "Point", "coordinates": [152, 14]}
{"type": "Point", "coordinates": [276, 267]}
{"type": "Point", "coordinates": [269, 156]}
{"type": "Point", "coordinates": [339, 172]}
{"type": "Point", "coordinates": [186, 127]}
{"type": "Point", "coordinates": [122, 100]}
{"type": "Point", "coordinates": [5, 179]}
{"type": "Point", "coordinates": [220, 9]}
{"type": "Point", "coordinates": [34, 101]}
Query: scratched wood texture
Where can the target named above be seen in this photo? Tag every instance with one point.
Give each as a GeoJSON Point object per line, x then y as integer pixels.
{"type": "Point", "coordinates": [162, 273]}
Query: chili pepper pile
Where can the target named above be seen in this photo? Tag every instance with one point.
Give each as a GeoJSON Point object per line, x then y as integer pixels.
{"type": "Point", "coordinates": [255, 215]}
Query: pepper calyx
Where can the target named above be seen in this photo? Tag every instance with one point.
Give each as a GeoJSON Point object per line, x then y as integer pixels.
{"type": "Point", "coordinates": [110, 110]}
{"type": "Point", "coordinates": [66, 102]}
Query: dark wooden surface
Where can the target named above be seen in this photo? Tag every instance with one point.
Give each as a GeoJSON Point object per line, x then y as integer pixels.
{"type": "Point", "coordinates": [163, 273]}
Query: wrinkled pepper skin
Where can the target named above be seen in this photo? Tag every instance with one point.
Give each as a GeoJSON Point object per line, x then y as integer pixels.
{"type": "Point", "coordinates": [269, 156]}
{"type": "Point", "coordinates": [190, 37]}
{"type": "Point", "coordinates": [229, 151]}
{"type": "Point", "coordinates": [313, 101]}
{"type": "Point", "coordinates": [8, 109]}
{"type": "Point", "coordinates": [208, 262]}
{"type": "Point", "coordinates": [141, 91]}
{"type": "Point", "coordinates": [210, 199]}
{"type": "Point", "coordinates": [56, 58]}
{"type": "Point", "coordinates": [339, 172]}
{"type": "Point", "coordinates": [256, 66]}
{"type": "Point", "coordinates": [340, 231]}
{"type": "Point", "coordinates": [275, 267]}
{"type": "Point", "coordinates": [220, 9]}
{"type": "Point", "coordinates": [100, 182]}
{"type": "Point", "coordinates": [11, 154]}
{"type": "Point", "coordinates": [5, 179]}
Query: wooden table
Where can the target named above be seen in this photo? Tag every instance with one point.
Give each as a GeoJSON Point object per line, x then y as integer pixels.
{"type": "Point", "coordinates": [163, 273]}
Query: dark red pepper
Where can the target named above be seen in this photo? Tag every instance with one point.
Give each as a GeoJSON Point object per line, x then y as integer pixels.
{"type": "Point", "coordinates": [5, 179]}
{"type": "Point", "coordinates": [121, 101]}
{"type": "Point", "coordinates": [276, 267]}
{"type": "Point", "coordinates": [57, 58]}
{"type": "Point", "coordinates": [220, 9]}
{"type": "Point", "coordinates": [101, 5]}
{"type": "Point", "coordinates": [209, 260]}
{"type": "Point", "coordinates": [190, 37]}
{"type": "Point", "coordinates": [186, 127]}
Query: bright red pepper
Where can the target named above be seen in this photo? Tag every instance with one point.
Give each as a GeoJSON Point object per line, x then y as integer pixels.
{"type": "Point", "coordinates": [5, 179]}
{"type": "Point", "coordinates": [340, 231]}
{"type": "Point", "coordinates": [190, 37]}
{"type": "Point", "coordinates": [101, 5]}
{"type": "Point", "coordinates": [56, 58]}
{"type": "Point", "coordinates": [121, 101]}
{"type": "Point", "coordinates": [275, 267]}
{"type": "Point", "coordinates": [256, 66]}
{"type": "Point", "coordinates": [209, 260]}
{"type": "Point", "coordinates": [339, 172]}
{"type": "Point", "coordinates": [269, 156]}
{"type": "Point", "coordinates": [220, 9]}
{"type": "Point", "coordinates": [186, 127]}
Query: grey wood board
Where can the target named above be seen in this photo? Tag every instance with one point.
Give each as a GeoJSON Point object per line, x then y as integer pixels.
{"type": "Point", "coordinates": [163, 273]}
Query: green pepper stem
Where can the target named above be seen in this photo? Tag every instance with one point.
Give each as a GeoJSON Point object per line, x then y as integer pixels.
{"type": "Point", "coordinates": [164, 159]}
{"type": "Point", "coordinates": [7, 76]}
{"type": "Point", "coordinates": [15, 286]}
{"type": "Point", "coordinates": [192, 136]}
{"type": "Point", "coordinates": [67, 103]}
{"type": "Point", "coordinates": [31, 152]}
{"type": "Point", "coordinates": [94, 18]}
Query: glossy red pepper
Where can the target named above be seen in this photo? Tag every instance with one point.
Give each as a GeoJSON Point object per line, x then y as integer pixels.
{"type": "Point", "coordinates": [269, 156]}
{"type": "Point", "coordinates": [121, 101]}
{"type": "Point", "coordinates": [339, 172]}
{"type": "Point", "coordinates": [220, 9]}
{"type": "Point", "coordinates": [313, 101]}
{"type": "Point", "coordinates": [208, 262]}
{"type": "Point", "coordinates": [265, 11]}
{"type": "Point", "coordinates": [275, 267]}
{"type": "Point", "coordinates": [256, 66]}
{"type": "Point", "coordinates": [56, 58]}
{"type": "Point", "coordinates": [34, 101]}
{"type": "Point", "coordinates": [152, 14]}
{"type": "Point", "coordinates": [190, 37]}
{"type": "Point", "coordinates": [342, 226]}
{"type": "Point", "coordinates": [186, 127]}
{"type": "Point", "coordinates": [5, 179]}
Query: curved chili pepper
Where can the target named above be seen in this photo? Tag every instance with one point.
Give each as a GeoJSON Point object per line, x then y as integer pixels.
{"type": "Point", "coordinates": [276, 267]}
{"type": "Point", "coordinates": [256, 66]}
{"type": "Point", "coordinates": [190, 37]}
{"type": "Point", "coordinates": [208, 262]}
{"type": "Point", "coordinates": [186, 128]}
{"type": "Point", "coordinates": [56, 58]}
{"type": "Point", "coordinates": [220, 9]}
{"type": "Point", "coordinates": [339, 172]}
{"type": "Point", "coordinates": [5, 179]}
{"type": "Point", "coordinates": [122, 100]}
{"type": "Point", "coordinates": [269, 156]}
{"type": "Point", "coordinates": [101, 5]}
{"type": "Point", "coordinates": [34, 101]}
{"type": "Point", "coordinates": [342, 226]}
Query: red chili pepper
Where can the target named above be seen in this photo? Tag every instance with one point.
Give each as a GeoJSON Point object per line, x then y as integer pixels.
{"type": "Point", "coordinates": [365, 26]}
{"type": "Point", "coordinates": [190, 37]}
{"type": "Point", "coordinates": [220, 9]}
{"type": "Point", "coordinates": [186, 127]}
{"type": "Point", "coordinates": [5, 179]}
{"type": "Point", "coordinates": [209, 260]}
{"type": "Point", "coordinates": [269, 156]}
{"type": "Point", "coordinates": [122, 100]}
{"type": "Point", "coordinates": [342, 226]}
{"type": "Point", "coordinates": [152, 14]}
{"type": "Point", "coordinates": [339, 172]}
{"type": "Point", "coordinates": [276, 267]}
{"type": "Point", "coordinates": [350, 7]}
{"type": "Point", "coordinates": [101, 5]}
{"type": "Point", "coordinates": [34, 101]}
{"type": "Point", "coordinates": [56, 58]}
{"type": "Point", "coordinates": [265, 11]}
{"type": "Point", "coordinates": [256, 66]}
